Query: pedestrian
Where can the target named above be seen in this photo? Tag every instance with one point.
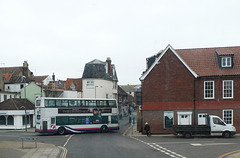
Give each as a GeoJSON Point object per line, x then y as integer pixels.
{"type": "Point", "coordinates": [147, 129]}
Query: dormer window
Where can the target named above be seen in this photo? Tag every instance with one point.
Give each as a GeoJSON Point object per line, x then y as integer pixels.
{"type": "Point", "coordinates": [225, 58]}
{"type": "Point", "coordinates": [226, 62]}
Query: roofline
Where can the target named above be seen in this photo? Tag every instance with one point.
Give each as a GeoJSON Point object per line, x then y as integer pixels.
{"type": "Point", "coordinates": [76, 98]}
{"type": "Point", "coordinates": [217, 76]}
{"type": "Point", "coordinates": [159, 58]}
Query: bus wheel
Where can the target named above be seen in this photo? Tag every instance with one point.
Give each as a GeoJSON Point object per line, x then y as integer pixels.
{"type": "Point", "coordinates": [104, 129]}
{"type": "Point", "coordinates": [61, 130]}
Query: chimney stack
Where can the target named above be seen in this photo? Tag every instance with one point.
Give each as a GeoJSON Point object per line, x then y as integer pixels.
{"type": "Point", "coordinates": [109, 67]}
{"type": "Point", "coordinates": [25, 64]}
{"type": "Point", "coordinates": [25, 71]}
{"type": "Point", "coordinates": [53, 77]}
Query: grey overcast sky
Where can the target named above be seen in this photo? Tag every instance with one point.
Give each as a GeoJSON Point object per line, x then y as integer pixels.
{"type": "Point", "coordinates": [62, 36]}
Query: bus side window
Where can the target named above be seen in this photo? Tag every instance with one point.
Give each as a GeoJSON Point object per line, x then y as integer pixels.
{"type": "Point", "coordinates": [73, 103]}
{"type": "Point", "coordinates": [50, 103]}
{"type": "Point", "coordinates": [62, 120]}
{"type": "Point", "coordinates": [79, 103]}
{"type": "Point", "coordinates": [58, 103]}
{"type": "Point", "coordinates": [82, 103]}
{"type": "Point", "coordinates": [46, 103]}
{"type": "Point", "coordinates": [53, 120]}
{"type": "Point", "coordinates": [65, 103]}
{"type": "Point", "coordinates": [101, 103]}
{"type": "Point", "coordinates": [92, 103]}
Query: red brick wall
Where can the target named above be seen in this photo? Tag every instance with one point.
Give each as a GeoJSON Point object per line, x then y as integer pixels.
{"type": "Point", "coordinates": [156, 119]}
{"type": "Point", "coordinates": [170, 87]}
{"type": "Point", "coordinates": [218, 83]}
{"type": "Point", "coordinates": [169, 81]}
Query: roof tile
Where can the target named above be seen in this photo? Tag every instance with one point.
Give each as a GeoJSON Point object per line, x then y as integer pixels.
{"type": "Point", "coordinates": [203, 61]}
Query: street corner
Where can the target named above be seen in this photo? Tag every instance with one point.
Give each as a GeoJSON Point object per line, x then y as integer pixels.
{"type": "Point", "coordinates": [232, 154]}
{"type": "Point", "coordinates": [63, 153]}
{"type": "Point", "coordinates": [10, 149]}
{"type": "Point", "coordinates": [132, 131]}
{"type": "Point", "coordinates": [43, 150]}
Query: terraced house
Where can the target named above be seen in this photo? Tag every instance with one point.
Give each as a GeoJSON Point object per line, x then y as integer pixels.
{"type": "Point", "coordinates": [181, 86]}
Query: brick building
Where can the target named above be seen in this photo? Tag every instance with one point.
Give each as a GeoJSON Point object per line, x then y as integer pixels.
{"type": "Point", "coordinates": [181, 86]}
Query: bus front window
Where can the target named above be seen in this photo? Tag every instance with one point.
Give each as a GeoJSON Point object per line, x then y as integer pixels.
{"type": "Point", "coordinates": [112, 103]}
{"type": "Point", "coordinates": [38, 103]}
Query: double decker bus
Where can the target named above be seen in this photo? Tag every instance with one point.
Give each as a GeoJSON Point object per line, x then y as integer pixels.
{"type": "Point", "coordinates": [65, 115]}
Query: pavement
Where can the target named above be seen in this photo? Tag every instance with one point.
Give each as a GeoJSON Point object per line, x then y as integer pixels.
{"type": "Point", "coordinates": [10, 149]}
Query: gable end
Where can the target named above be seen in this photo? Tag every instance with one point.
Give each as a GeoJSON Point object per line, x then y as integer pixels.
{"type": "Point", "coordinates": [145, 74]}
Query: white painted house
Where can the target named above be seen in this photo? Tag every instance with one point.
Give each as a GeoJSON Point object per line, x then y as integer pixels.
{"type": "Point", "coordinates": [99, 80]}
{"type": "Point", "coordinates": [7, 95]}
{"type": "Point", "coordinates": [12, 114]}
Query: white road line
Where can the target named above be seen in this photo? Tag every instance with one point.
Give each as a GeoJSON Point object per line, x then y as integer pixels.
{"type": "Point", "coordinates": [161, 149]}
{"type": "Point", "coordinates": [210, 144]}
{"type": "Point", "coordinates": [64, 153]}
{"type": "Point", "coordinates": [68, 140]}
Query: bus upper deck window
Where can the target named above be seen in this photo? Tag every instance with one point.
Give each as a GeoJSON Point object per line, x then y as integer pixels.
{"type": "Point", "coordinates": [91, 103]}
{"type": "Point", "coordinates": [73, 103]}
{"type": "Point", "coordinates": [102, 103]}
{"type": "Point", "coordinates": [82, 103]}
{"type": "Point", "coordinates": [65, 103]}
{"type": "Point", "coordinates": [50, 103]}
{"type": "Point", "coordinates": [58, 103]}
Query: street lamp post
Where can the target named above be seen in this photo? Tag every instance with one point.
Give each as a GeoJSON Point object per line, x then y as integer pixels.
{"type": "Point", "coordinates": [25, 93]}
{"type": "Point", "coordinates": [96, 91]}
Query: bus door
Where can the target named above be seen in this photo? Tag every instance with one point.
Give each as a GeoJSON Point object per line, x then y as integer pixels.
{"type": "Point", "coordinates": [45, 126]}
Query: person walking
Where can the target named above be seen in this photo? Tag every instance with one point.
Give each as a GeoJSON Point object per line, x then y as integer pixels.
{"type": "Point", "coordinates": [147, 129]}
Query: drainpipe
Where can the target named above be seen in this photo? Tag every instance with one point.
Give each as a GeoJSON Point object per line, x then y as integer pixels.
{"type": "Point", "coordinates": [194, 102]}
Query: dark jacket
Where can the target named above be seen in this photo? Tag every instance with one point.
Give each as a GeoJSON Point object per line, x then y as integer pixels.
{"type": "Point", "coordinates": [147, 127]}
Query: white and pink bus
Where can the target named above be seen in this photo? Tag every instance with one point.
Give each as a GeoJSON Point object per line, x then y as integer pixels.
{"type": "Point", "coordinates": [76, 115]}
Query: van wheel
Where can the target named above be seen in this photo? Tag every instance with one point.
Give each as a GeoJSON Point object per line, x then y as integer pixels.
{"type": "Point", "coordinates": [104, 129]}
{"type": "Point", "coordinates": [61, 130]}
{"type": "Point", "coordinates": [187, 135]}
{"type": "Point", "coordinates": [226, 134]}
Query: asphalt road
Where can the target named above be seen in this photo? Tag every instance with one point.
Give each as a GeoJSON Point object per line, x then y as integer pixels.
{"type": "Point", "coordinates": [107, 145]}
{"type": "Point", "coordinates": [197, 147]}
{"type": "Point", "coordinates": [114, 144]}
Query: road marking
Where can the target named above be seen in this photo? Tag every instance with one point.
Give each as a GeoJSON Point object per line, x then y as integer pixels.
{"type": "Point", "coordinates": [161, 149]}
{"type": "Point", "coordinates": [230, 153]}
{"type": "Point", "coordinates": [64, 153]}
{"type": "Point", "coordinates": [68, 140]}
{"type": "Point", "coordinates": [210, 144]}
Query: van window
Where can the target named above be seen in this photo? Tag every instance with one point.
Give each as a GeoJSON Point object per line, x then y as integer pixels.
{"type": "Point", "coordinates": [218, 121]}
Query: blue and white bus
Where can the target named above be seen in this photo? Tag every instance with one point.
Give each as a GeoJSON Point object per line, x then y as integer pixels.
{"type": "Point", "coordinates": [76, 115]}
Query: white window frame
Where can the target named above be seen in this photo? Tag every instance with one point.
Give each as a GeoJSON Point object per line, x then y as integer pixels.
{"type": "Point", "coordinates": [227, 89]}
{"type": "Point", "coordinates": [90, 84]}
{"type": "Point", "coordinates": [209, 89]}
{"type": "Point", "coordinates": [185, 113]}
{"type": "Point", "coordinates": [225, 60]}
{"type": "Point", "coordinates": [167, 112]}
{"type": "Point", "coordinates": [229, 110]}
